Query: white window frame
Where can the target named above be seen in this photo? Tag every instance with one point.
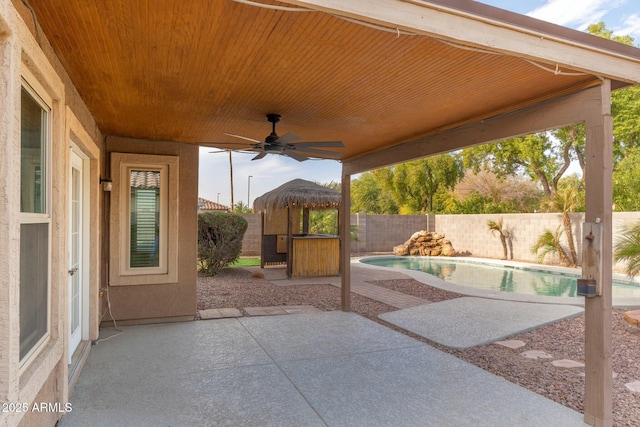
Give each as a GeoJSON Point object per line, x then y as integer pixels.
{"type": "Point", "coordinates": [39, 95]}
{"type": "Point", "coordinates": [121, 274]}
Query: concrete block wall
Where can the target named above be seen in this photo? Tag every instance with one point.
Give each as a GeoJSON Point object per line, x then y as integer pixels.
{"type": "Point", "coordinates": [467, 233]}
{"type": "Point", "coordinates": [253, 235]}
{"type": "Point", "coordinates": [470, 233]}
{"type": "Point", "coordinates": [380, 233]}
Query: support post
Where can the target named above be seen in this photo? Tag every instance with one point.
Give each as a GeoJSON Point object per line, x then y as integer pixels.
{"type": "Point", "coordinates": [290, 253]}
{"type": "Point", "coordinates": [345, 242]}
{"type": "Point", "coordinates": [598, 181]}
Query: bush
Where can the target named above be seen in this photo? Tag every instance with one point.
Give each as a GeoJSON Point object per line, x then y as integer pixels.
{"type": "Point", "coordinates": [219, 240]}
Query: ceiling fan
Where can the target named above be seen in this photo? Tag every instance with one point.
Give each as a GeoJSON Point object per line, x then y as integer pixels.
{"type": "Point", "coordinates": [285, 146]}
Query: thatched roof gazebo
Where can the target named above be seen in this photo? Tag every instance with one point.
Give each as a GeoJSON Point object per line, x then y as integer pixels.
{"type": "Point", "coordinates": [286, 239]}
{"type": "Point", "coordinates": [298, 192]}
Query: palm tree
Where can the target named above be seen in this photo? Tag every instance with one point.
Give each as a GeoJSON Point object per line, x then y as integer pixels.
{"type": "Point", "coordinates": [627, 248]}
{"type": "Point", "coordinates": [550, 243]}
{"type": "Point", "coordinates": [565, 200]}
{"type": "Point", "coordinates": [497, 227]}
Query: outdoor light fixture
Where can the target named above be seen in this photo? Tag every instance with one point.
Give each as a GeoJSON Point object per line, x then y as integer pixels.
{"type": "Point", "coordinates": [107, 184]}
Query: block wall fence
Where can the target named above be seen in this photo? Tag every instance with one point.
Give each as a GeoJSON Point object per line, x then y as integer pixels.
{"type": "Point", "coordinates": [469, 234]}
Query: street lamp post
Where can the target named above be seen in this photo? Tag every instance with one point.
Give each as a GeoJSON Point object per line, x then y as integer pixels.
{"type": "Point", "coordinates": [249, 190]}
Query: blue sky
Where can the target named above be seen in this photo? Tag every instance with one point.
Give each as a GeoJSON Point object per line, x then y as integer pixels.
{"type": "Point", "coordinates": [621, 16]}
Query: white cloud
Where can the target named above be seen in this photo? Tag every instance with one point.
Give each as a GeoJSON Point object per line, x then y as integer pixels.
{"type": "Point", "coordinates": [631, 26]}
{"type": "Point", "coordinates": [567, 13]}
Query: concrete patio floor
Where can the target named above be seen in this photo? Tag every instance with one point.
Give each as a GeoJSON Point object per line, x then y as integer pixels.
{"type": "Point", "coordinates": [329, 368]}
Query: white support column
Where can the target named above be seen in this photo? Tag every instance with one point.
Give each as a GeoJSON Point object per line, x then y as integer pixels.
{"type": "Point", "coordinates": [599, 166]}
{"type": "Point", "coordinates": [345, 242]}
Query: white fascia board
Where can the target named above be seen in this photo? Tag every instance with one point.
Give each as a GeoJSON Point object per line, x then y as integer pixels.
{"type": "Point", "coordinates": [468, 29]}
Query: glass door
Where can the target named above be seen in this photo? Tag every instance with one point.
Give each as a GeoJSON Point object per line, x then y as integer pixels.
{"type": "Point", "coordinates": [75, 254]}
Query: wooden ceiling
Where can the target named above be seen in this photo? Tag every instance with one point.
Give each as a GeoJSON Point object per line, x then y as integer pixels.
{"type": "Point", "coordinates": [189, 71]}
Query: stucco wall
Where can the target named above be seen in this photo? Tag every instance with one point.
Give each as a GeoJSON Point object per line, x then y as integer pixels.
{"type": "Point", "coordinates": [44, 378]}
{"type": "Point", "coordinates": [166, 301]}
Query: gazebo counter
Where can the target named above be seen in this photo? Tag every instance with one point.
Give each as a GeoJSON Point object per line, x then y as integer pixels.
{"type": "Point", "coordinates": [315, 255]}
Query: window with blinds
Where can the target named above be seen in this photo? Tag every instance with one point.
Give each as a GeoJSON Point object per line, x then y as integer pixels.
{"type": "Point", "coordinates": [144, 245]}
{"type": "Point", "coordinates": [144, 206]}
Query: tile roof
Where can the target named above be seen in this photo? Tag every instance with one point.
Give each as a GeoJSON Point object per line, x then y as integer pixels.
{"type": "Point", "coordinates": [208, 205]}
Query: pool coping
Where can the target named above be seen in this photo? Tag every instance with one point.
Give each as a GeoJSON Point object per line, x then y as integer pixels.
{"type": "Point", "coordinates": [505, 296]}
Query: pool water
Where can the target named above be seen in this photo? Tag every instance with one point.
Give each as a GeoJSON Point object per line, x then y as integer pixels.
{"type": "Point", "coordinates": [498, 278]}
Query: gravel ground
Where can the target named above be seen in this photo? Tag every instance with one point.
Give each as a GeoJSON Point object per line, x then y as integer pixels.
{"type": "Point", "coordinates": [235, 287]}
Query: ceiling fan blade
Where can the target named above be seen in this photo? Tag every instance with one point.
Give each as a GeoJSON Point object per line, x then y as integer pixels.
{"type": "Point", "coordinates": [233, 151]}
{"type": "Point", "coordinates": [287, 138]}
{"type": "Point", "coordinates": [328, 144]}
{"type": "Point", "coordinates": [231, 145]}
{"type": "Point", "coordinates": [320, 153]}
{"type": "Point", "coordinates": [294, 155]}
{"type": "Point", "coordinates": [243, 137]}
{"type": "Point", "coordinates": [260, 155]}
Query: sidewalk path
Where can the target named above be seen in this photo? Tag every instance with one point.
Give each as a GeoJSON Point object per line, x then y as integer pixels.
{"type": "Point", "coordinates": [359, 284]}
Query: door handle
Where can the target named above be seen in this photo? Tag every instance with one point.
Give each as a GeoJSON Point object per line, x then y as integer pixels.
{"type": "Point", "coordinates": [73, 271]}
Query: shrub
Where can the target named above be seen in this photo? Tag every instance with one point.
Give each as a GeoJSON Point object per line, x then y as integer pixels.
{"type": "Point", "coordinates": [219, 240]}
{"type": "Point", "coordinates": [627, 248]}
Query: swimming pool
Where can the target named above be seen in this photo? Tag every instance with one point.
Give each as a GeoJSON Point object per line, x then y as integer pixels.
{"type": "Point", "coordinates": [502, 278]}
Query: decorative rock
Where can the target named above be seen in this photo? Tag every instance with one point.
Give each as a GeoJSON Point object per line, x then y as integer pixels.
{"type": "Point", "coordinates": [536, 354]}
{"type": "Point", "coordinates": [401, 250]}
{"type": "Point", "coordinates": [425, 243]}
{"type": "Point", "coordinates": [566, 363]}
{"type": "Point", "coordinates": [632, 317]}
{"type": "Point", "coordinates": [633, 386]}
{"type": "Point", "coordinates": [511, 343]}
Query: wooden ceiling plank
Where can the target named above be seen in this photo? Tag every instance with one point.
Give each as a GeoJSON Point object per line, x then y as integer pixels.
{"type": "Point", "coordinates": [467, 29]}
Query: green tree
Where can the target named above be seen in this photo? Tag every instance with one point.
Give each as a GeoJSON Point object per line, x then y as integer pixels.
{"type": "Point", "coordinates": [627, 248]}
{"type": "Point", "coordinates": [542, 158]}
{"type": "Point", "coordinates": [626, 182]}
{"type": "Point", "coordinates": [600, 29]}
{"type": "Point", "coordinates": [415, 185]}
{"type": "Point", "coordinates": [370, 195]}
{"type": "Point", "coordinates": [625, 103]}
{"type": "Point", "coordinates": [323, 221]}
{"type": "Point", "coordinates": [240, 207]}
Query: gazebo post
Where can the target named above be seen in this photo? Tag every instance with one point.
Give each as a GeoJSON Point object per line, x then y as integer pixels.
{"type": "Point", "coordinates": [344, 223]}
{"type": "Point", "coordinates": [289, 241]}
{"type": "Point", "coordinates": [305, 220]}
